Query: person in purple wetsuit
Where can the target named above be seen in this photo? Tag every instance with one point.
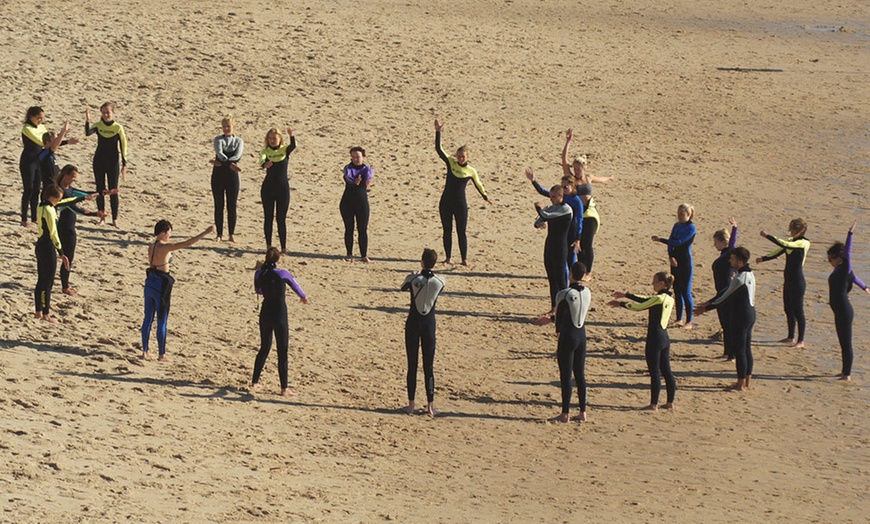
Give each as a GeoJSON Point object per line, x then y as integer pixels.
{"type": "Point", "coordinates": [840, 284]}
{"type": "Point", "coordinates": [354, 204]}
{"type": "Point", "coordinates": [271, 283]}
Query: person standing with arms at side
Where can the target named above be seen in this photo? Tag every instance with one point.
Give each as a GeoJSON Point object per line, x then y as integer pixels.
{"type": "Point", "coordinates": [794, 285]}
{"type": "Point", "coordinates": [557, 218]}
{"type": "Point", "coordinates": [48, 248]}
{"type": "Point", "coordinates": [425, 287]}
{"type": "Point", "coordinates": [572, 305]}
{"type": "Point", "coordinates": [158, 283]}
{"type": "Point", "coordinates": [66, 222]}
{"type": "Point", "coordinates": [354, 204]}
{"type": "Point", "coordinates": [111, 140]}
{"type": "Point", "coordinates": [739, 296]}
{"type": "Point", "coordinates": [840, 284]}
{"type": "Point", "coordinates": [271, 283]}
{"type": "Point", "coordinates": [228, 150]}
{"type": "Point", "coordinates": [275, 191]}
{"type": "Point", "coordinates": [680, 254]}
{"type": "Point", "coordinates": [722, 273]}
{"type": "Point", "coordinates": [658, 343]}
{"type": "Point", "coordinates": [453, 205]}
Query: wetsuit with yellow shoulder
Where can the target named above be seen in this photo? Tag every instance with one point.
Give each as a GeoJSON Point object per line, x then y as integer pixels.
{"type": "Point", "coordinates": [795, 285]}
{"type": "Point", "coordinates": [28, 164]}
{"type": "Point", "coordinates": [658, 344]}
{"type": "Point", "coordinates": [48, 247]}
{"type": "Point", "coordinates": [111, 140]}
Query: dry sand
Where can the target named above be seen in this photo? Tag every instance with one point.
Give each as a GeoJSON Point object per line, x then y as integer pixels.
{"type": "Point", "coordinates": [752, 109]}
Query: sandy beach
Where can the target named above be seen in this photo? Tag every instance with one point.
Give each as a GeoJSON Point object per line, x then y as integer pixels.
{"type": "Point", "coordinates": [753, 110]}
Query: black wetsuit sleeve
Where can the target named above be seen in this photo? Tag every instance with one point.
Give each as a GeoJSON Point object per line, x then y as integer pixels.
{"type": "Point", "coordinates": [440, 151]}
{"type": "Point", "coordinates": [540, 189]}
{"type": "Point", "coordinates": [292, 145]}
{"type": "Point", "coordinates": [636, 298]}
{"type": "Point", "coordinates": [89, 129]}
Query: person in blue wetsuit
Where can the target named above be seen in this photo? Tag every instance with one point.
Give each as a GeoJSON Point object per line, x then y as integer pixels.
{"type": "Point", "coordinates": [569, 196]}
{"type": "Point", "coordinates": [271, 283]}
{"type": "Point", "coordinates": [558, 219]}
{"type": "Point", "coordinates": [722, 273]}
{"type": "Point", "coordinates": [354, 205]}
{"type": "Point", "coordinates": [275, 191]}
{"type": "Point", "coordinates": [66, 222]}
{"type": "Point", "coordinates": [110, 158]}
{"type": "Point", "coordinates": [658, 344]}
{"type": "Point", "coordinates": [572, 305]}
{"type": "Point", "coordinates": [453, 205]}
{"type": "Point", "coordinates": [739, 296]}
{"type": "Point", "coordinates": [680, 255]}
{"type": "Point", "coordinates": [159, 283]}
{"type": "Point", "coordinates": [425, 287]}
{"type": "Point", "coordinates": [48, 168]}
{"type": "Point", "coordinates": [839, 285]}
{"type": "Point", "coordinates": [794, 284]}
{"type": "Point", "coordinates": [48, 249]}
{"type": "Point", "coordinates": [228, 150]}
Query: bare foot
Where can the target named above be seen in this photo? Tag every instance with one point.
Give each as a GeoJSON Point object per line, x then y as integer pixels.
{"type": "Point", "coordinates": [145, 356]}
{"type": "Point", "coordinates": [799, 344]}
{"type": "Point", "coordinates": [50, 319]}
{"type": "Point", "coordinates": [256, 385]}
{"type": "Point", "coordinates": [365, 259]}
{"type": "Point", "coordinates": [687, 325]}
{"type": "Point", "coordinates": [651, 407]}
{"type": "Point", "coordinates": [735, 388]}
{"type": "Point", "coordinates": [25, 223]}
{"type": "Point", "coordinates": [563, 417]}
{"type": "Point", "coordinates": [466, 264]}
{"type": "Point", "coordinates": [844, 377]}
{"type": "Point", "coordinates": [102, 222]}
{"type": "Point", "coordinates": [581, 417]}
{"type": "Point", "coordinates": [287, 392]}
{"type": "Point", "coordinates": [116, 224]}
{"type": "Point", "coordinates": [38, 315]}
{"type": "Point", "coordinates": [586, 278]}
{"type": "Point", "coordinates": [787, 341]}
{"type": "Point", "coordinates": [163, 358]}
{"type": "Point", "coordinates": [431, 409]}
{"type": "Point", "coordinates": [669, 406]}
{"type": "Point", "coordinates": [348, 258]}
{"type": "Point", "coordinates": [447, 261]}
{"type": "Point", "coordinates": [71, 292]}
{"type": "Point", "coordinates": [218, 239]}
{"type": "Point", "coordinates": [408, 410]}
{"type": "Point", "coordinates": [233, 239]}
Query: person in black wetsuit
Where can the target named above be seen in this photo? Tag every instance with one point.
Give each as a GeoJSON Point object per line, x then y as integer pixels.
{"type": "Point", "coordinates": [272, 283]}
{"type": "Point", "coordinates": [569, 196]}
{"type": "Point", "coordinates": [48, 168]}
{"type": "Point", "coordinates": [275, 191]}
{"type": "Point", "coordinates": [424, 287]}
{"type": "Point", "coordinates": [722, 272]}
{"type": "Point", "coordinates": [658, 344]}
{"type": "Point", "coordinates": [739, 296]}
{"type": "Point", "coordinates": [572, 305]}
{"type": "Point", "coordinates": [558, 219]}
{"type": "Point", "coordinates": [48, 248]}
{"type": "Point", "coordinates": [839, 285]}
{"type": "Point", "coordinates": [794, 285]}
{"type": "Point", "coordinates": [31, 137]}
{"type": "Point", "coordinates": [228, 150]}
{"type": "Point", "coordinates": [66, 222]}
{"type": "Point", "coordinates": [453, 205]}
{"type": "Point", "coordinates": [111, 148]}
{"type": "Point", "coordinates": [354, 205]}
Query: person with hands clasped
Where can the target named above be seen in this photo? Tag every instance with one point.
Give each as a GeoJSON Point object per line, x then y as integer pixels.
{"type": "Point", "coordinates": [354, 206]}
{"type": "Point", "coordinates": [228, 150]}
{"type": "Point", "coordinates": [275, 191]}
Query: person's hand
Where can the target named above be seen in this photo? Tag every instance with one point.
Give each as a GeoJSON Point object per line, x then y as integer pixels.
{"type": "Point", "coordinates": [543, 320]}
{"type": "Point", "coordinates": [732, 222]}
{"type": "Point", "coordinates": [72, 141]}
{"type": "Point", "coordinates": [65, 127]}
{"type": "Point", "coordinates": [214, 162]}
{"type": "Point", "coordinates": [235, 167]}
{"type": "Point", "coordinates": [674, 262]}
{"type": "Point", "coordinates": [124, 173]}
{"type": "Point", "coordinates": [618, 294]}
{"type": "Point", "coordinates": [700, 310]}
{"type": "Point", "coordinates": [91, 196]}
{"type": "Point", "coordinates": [65, 261]}
{"type": "Point", "coordinates": [268, 164]}
{"type": "Point", "coordinates": [488, 201]}
{"type": "Point", "coordinates": [853, 226]}
{"type": "Point", "coordinates": [290, 131]}
{"type": "Point", "coordinates": [577, 247]}
{"type": "Point", "coordinates": [538, 204]}
{"type": "Point", "coordinates": [867, 290]}
{"type": "Point", "coordinates": [530, 174]}
{"type": "Point", "coordinates": [87, 114]}
{"type": "Point", "coordinates": [655, 238]}
{"type": "Point", "coordinates": [358, 180]}
{"type": "Point", "coordinates": [438, 125]}
{"type": "Point", "coordinates": [614, 303]}
{"type": "Point", "coordinates": [304, 300]}
{"type": "Point", "coordinates": [763, 233]}
{"type": "Point", "coordinates": [569, 135]}
{"type": "Point", "coordinates": [113, 191]}
{"type": "Point", "coordinates": [102, 214]}
{"type": "Point", "coordinates": [759, 260]}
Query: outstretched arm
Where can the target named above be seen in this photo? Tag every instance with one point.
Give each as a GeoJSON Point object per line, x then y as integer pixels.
{"type": "Point", "coordinates": [190, 241]}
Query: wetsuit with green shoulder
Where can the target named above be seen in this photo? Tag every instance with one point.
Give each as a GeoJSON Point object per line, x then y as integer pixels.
{"type": "Point", "coordinates": [275, 191]}
{"type": "Point", "coordinates": [111, 140]}
{"type": "Point", "coordinates": [794, 285]}
{"type": "Point", "coordinates": [453, 204]}
{"type": "Point", "coordinates": [28, 164]}
{"type": "Point", "coordinates": [658, 343]}
{"type": "Point", "coordinates": [48, 247]}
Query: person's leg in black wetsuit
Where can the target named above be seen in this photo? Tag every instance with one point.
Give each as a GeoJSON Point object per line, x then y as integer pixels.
{"type": "Point", "coordinates": [461, 215]}
{"type": "Point", "coordinates": [282, 205]}
{"type": "Point", "coordinates": [348, 216]}
{"type": "Point", "coordinates": [46, 268]}
{"type": "Point", "coordinates": [587, 236]}
{"type": "Point", "coordinates": [218, 193]}
{"type": "Point", "coordinates": [68, 241]}
{"type": "Point", "coordinates": [844, 315]}
{"type": "Point", "coordinates": [267, 326]}
{"type": "Point", "coordinates": [363, 212]}
{"type": "Point", "coordinates": [30, 195]}
{"type": "Point", "coordinates": [100, 172]}
{"type": "Point", "coordinates": [444, 209]}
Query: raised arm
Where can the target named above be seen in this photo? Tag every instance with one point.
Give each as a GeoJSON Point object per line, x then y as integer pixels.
{"type": "Point", "coordinates": [438, 127]}
{"type": "Point", "coordinates": [566, 167]}
{"type": "Point", "coordinates": [538, 187]}
{"type": "Point", "coordinates": [190, 241]}
{"type": "Point", "coordinates": [732, 242]}
{"type": "Point", "coordinates": [292, 145]}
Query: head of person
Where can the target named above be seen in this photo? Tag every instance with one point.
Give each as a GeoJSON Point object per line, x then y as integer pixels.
{"type": "Point", "coordinates": [579, 166]}
{"type": "Point", "coordinates": [836, 253]}
{"type": "Point", "coordinates": [107, 112]}
{"type": "Point", "coordinates": [274, 138]}
{"type": "Point", "coordinates": [67, 176]}
{"type": "Point", "coordinates": [163, 227]}
{"type": "Point", "coordinates": [48, 137]}
{"type": "Point", "coordinates": [685, 213]}
{"type": "Point", "coordinates": [797, 227]}
{"type": "Point", "coordinates": [569, 185]}
{"type": "Point", "coordinates": [721, 239]}
{"type": "Point", "coordinates": [51, 193]}
{"type": "Point", "coordinates": [357, 156]}
{"type": "Point", "coordinates": [35, 115]}
{"type": "Point", "coordinates": [662, 281]}
{"type": "Point", "coordinates": [556, 194]}
{"type": "Point", "coordinates": [739, 257]}
{"type": "Point", "coordinates": [462, 155]}
{"type": "Point", "coordinates": [273, 255]}
{"type": "Point", "coordinates": [228, 125]}
{"type": "Point", "coordinates": [578, 270]}
{"type": "Point", "coordinates": [429, 259]}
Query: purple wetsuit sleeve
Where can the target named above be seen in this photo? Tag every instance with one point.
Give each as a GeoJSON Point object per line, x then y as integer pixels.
{"type": "Point", "coordinates": [257, 277]}
{"type": "Point", "coordinates": [847, 257]}
{"type": "Point", "coordinates": [287, 277]}
{"type": "Point", "coordinates": [732, 243]}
